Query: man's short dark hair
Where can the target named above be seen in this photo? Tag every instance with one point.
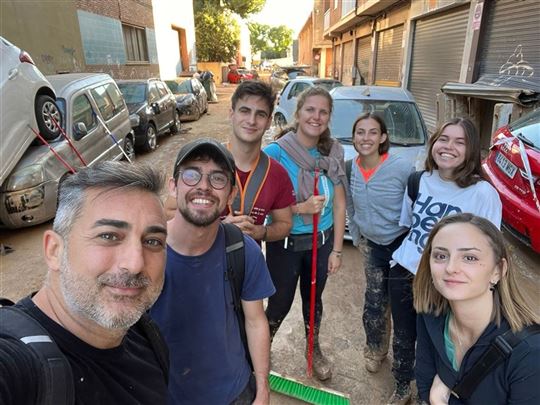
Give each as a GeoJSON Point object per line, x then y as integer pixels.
{"type": "Point", "coordinates": [254, 88]}
{"type": "Point", "coordinates": [103, 175]}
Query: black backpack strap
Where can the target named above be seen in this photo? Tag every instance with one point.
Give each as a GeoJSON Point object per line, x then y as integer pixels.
{"type": "Point", "coordinates": [253, 186]}
{"type": "Point", "coordinates": [498, 351]}
{"type": "Point", "coordinates": [154, 336]}
{"type": "Point", "coordinates": [235, 252]}
{"type": "Point", "coordinates": [413, 184]}
{"type": "Point", "coordinates": [56, 386]}
{"type": "Point", "coordinates": [348, 169]}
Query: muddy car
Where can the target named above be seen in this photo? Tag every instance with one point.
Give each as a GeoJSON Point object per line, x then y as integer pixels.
{"type": "Point", "coordinates": [88, 102]}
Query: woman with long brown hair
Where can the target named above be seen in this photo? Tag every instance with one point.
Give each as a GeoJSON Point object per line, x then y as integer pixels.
{"type": "Point", "coordinates": [306, 150]}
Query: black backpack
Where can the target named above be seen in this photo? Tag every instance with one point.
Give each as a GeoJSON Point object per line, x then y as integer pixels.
{"type": "Point", "coordinates": [413, 184]}
{"type": "Point", "coordinates": [235, 252]}
{"type": "Point", "coordinates": [57, 385]}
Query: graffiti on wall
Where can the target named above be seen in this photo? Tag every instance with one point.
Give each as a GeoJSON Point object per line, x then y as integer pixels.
{"type": "Point", "coordinates": [516, 67]}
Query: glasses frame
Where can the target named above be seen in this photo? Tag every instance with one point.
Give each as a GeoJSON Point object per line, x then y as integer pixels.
{"type": "Point", "coordinates": [208, 175]}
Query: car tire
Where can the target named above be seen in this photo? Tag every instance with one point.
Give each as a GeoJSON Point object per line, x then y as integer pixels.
{"type": "Point", "coordinates": [150, 139]}
{"type": "Point", "coordinates": [45, 107]}
{"type": "Point", "coordinates": [197, 115]}
{"type": "Point", "coordinates": [280, 120]}
{"type": "Point", "coordinates": [175, 127]}
{"type": "Point", "coordinates": [129, 149]}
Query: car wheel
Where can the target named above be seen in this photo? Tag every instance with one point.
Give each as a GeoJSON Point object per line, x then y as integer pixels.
{"type": "Point", "coordinates": [280, 120]}
{"type": "Point", "coordinates": [175, 127]}
{"type": "Point", "coordinates": [45, 108]}
{"type": "Point", "coordinates": [197, 114]}
{"type": "Point", "coordinates": [151, 138]}
{"type": "Point", "coordinates": [129, 149]}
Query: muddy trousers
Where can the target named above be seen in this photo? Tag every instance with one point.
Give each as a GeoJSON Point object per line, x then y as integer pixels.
{"type": "Point", "coordinates": [286, 267]}
{"type": "Point", "coordinates": [376, 316]}
{"type": "Point", "coordinates": [404, 319]}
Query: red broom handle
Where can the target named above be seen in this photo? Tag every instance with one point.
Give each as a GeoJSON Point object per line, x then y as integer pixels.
{"type": "Point", "coordinates": [313, 280]}
{"type": "Point", "coordinates": [67, 139]}
{"type": "Point", "coordinates": [44, 142]}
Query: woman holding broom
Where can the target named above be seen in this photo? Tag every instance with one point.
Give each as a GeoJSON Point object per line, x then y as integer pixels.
{"type": "Point", "coordinates": [314, 162]}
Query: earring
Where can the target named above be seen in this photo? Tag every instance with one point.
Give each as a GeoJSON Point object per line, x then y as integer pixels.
{"type": "Point", "coordinates": [492, 286]}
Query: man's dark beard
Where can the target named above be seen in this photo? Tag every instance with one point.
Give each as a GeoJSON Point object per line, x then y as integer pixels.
{"type": "Point", "coordinates": [199, 221]}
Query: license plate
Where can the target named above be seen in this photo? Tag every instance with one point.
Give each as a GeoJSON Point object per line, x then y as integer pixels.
{"type": "Point", "coordinates": [505, 165]}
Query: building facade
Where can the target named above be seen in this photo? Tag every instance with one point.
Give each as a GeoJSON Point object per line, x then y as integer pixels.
{"type": "Point", "coordinates": [478, 58]}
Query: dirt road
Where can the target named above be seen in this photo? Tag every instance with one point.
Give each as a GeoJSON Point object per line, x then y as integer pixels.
{"type": "Point", "coordinates": [342, 336]}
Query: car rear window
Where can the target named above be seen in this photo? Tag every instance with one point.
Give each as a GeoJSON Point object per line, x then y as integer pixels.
{"type": "Point", "coordinates": [402, 119]}
{"type": "Point", "coordinates": [528, 129]}
{"type": "Point", "coordinates": [133, 93]}
{"type": "Point", "coordinates": [328, 84]}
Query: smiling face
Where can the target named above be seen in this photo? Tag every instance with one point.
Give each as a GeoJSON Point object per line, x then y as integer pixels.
{"type": "Point", "coordinates": [368, 137]}
{"type": "Point", "coordinates": [463, 264]}
{"type": "Point", "coordinates": [313, 118]}
{"type": "Point", "coordinates": [111, 266]}
{"type": "Point", "coordinates": [201, 205]}
{"type": "Point", "coordinates": [449, 150]}
{"type": "Point", "coordinates": [250, 118]}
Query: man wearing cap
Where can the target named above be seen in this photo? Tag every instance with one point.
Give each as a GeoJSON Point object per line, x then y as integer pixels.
{"type": "Point", "coordinates": [264, 185]}
{"type": "Point", "coordinates": [194, 313]}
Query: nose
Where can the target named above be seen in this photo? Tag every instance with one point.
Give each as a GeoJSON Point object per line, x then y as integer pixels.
{"type": "Point", "coordinates": [204, 183]}
{"type": "Point", "coordinates": [452, 266]}
{"type": "Point", "coordinates": [132, 256]}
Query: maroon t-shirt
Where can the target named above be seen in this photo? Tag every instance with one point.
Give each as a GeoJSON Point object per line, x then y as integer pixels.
{"type": "Point", "coordinates": [277, 192]}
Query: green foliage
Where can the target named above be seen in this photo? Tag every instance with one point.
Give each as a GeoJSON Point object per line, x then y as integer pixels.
{"type": "Point", "coordinates": [241, 7]}
{"type": "Point", "coordinates": [217, 35]}
{"type": "Point", "coordinates": [272, 42]}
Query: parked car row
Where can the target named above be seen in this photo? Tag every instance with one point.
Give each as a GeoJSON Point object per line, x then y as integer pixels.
{"type": "Point", "coordinates": [76, 120]}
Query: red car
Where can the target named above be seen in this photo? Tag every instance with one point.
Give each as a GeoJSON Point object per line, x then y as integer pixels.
{"type": "Point", "coordinates": [518, 186]}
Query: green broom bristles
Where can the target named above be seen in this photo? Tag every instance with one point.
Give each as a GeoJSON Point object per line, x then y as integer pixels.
{"type": "Point", "coordinates": [318, 396]}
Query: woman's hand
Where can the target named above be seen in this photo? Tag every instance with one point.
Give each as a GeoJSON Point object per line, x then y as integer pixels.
{"type": "Point", "coordinates": [334, 262]}
{"type": "Point", "coordinates": [313, 205]}
{"type": "Point", "coordinates": [439, 393]}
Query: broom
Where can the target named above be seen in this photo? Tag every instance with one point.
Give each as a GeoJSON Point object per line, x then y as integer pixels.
{"type": "Point", "coordinates": [289, 386]}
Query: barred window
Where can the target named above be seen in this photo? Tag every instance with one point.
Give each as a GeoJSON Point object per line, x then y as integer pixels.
{"type": "Point", "coordinates": [135, 43]}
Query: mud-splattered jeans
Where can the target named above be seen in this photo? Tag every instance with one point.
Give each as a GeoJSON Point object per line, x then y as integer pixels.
{"type": "Point", "coordinates": [376, 317]}
{"type": "Point", "coordinates": [404, 319]}
{"type": "Point", "coordinates": [285, 268]}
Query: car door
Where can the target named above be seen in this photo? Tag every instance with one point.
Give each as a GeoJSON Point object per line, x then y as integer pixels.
{"type": "Point", "coordinates": [92, 143]}
{"type": "Point", "coordinates": [166, 104]}
{"type": "Point", "coordinates": [153, 98]}
{"type": "Point", "coordinates": [200, 94]}
{"type": "Point", "coordinates": [287, 101]}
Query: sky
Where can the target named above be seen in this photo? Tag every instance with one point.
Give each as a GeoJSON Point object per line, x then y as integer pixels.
{"type": "Point", "coordinates": [292, 13]}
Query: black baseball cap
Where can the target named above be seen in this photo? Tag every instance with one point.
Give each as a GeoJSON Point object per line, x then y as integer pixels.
{"type": "Point", "coordinates": [206, 144]}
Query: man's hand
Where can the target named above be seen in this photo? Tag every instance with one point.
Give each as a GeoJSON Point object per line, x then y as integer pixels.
{"type": "Point", "coordinates": [263, 397]}
{"type": "Point", "coordinates": [246, 225]}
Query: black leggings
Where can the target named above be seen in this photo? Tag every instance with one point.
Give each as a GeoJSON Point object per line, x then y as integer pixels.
{"type": "Point", "coordinates": [285, 268]}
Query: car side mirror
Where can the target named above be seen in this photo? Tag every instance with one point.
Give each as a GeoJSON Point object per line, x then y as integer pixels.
{"type": "Point", "coordinates": [79, 130]}
{"type": "Point", "coordinates": [155, 108]}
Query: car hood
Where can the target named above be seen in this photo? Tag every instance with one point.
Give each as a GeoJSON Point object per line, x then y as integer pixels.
{"type": "Point", "coordinates": [14, 145]}
{"type": "Point", "coordinates": [184, 99]}
{"type": "Point", "coordinates": [134, 108]}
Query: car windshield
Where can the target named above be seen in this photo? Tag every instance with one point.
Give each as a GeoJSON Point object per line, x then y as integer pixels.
{"type": "Point", "coordinates": [328, 84]}
{"type": "Point", "coordinates": [179, 88]}
{"type": "Point", "coordinates": [402, 120]}
{"type": "Point", "coordinates": [133, 92]}
{"type": "Point", "coordinates": [528, 129]}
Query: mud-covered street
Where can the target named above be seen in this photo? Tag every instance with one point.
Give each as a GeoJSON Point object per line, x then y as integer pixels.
{"type": "Point", "coordinates": [22, 271]}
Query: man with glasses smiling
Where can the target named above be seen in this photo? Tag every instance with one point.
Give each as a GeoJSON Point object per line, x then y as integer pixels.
{"type": "Point", "coordinates": [194, 311]}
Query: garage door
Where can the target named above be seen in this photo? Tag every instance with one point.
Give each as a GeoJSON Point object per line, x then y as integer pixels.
{"type": "Point", "coordinates": [436, 58]}
{"type": "Point", "coordinates": [363, 57]}
{"type": "Point", "coordinates": [388, 65]}
{"type": "Point", "coordinates": [348, 59]}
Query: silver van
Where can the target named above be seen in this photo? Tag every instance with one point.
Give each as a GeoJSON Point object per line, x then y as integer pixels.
{"type": "Point", "coordinates": [88, 101]}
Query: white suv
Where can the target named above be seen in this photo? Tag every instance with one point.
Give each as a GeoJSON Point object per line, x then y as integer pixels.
{"type": "Point", "coordinates": [27, 100]}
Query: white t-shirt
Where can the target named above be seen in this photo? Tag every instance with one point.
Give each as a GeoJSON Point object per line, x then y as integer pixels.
{"type": "Point", "coordinates": [436, 199]}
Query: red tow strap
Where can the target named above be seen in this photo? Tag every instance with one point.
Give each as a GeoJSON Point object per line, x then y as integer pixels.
{"type": "Point", "coordinates": [313, 280]}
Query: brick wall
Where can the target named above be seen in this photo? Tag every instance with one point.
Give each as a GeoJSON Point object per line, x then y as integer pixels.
{"type": "Point", "coordinates": [136, 12]}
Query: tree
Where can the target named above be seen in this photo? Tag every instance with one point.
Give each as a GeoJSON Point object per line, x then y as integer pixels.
{"type": "Point", "coordinates": [217, 35]}
{"type": "Point", "coordinates": [272, 42]}
{"type": "Point", "coordinates": [241, 7]}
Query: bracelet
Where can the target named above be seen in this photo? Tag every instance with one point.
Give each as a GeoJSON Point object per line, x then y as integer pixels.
{"type": "Point", "coordinates": [337, 252]}
{"type": "Point", "coordinates": [265, 233]}
{"type": "Point", "coordinates": [294, 209]}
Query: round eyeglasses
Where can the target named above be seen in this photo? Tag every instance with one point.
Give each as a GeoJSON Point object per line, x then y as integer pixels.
{"type": "Point", "coordinates": [192, 177]}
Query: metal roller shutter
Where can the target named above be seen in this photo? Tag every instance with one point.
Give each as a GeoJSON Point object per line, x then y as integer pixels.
{"type": "Point", "coordinates": [363, 57]}
{"type": "Point", "coordinates": [388, 63]}
{"type": "Point", "coordinates": [510, 44]}
{"type": "Point", "coordinates": [348, 59]}
{"type": "Point", "coordinates": [337, 62]}
{"type": "Point", "coordinates": [436, 58]}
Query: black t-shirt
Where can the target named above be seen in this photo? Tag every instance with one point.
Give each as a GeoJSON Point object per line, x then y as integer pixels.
{"type": "Point", "coordinates": [127, 374]}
